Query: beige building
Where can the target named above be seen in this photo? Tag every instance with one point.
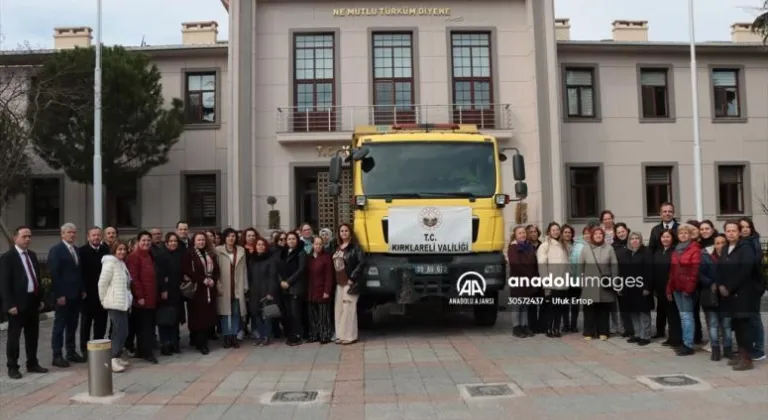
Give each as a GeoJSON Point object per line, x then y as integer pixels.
{"type": "Point", "coordinates": [602, 124]}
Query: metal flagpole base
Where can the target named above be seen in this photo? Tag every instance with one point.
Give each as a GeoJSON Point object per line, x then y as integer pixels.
{"type": "Point", "coordinates": [84, 398]}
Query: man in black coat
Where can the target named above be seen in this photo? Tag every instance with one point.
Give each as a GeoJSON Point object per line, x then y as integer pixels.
{"type": "Point", "coordinates": [93, 314]}
{"type": "Point", "coordinates": [668, 222]}
{"type": "Point", "coordinates": [21, 299]}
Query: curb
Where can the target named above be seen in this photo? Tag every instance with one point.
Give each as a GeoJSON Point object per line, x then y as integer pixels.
{"type": "Point", "coordinates": [43, 317]}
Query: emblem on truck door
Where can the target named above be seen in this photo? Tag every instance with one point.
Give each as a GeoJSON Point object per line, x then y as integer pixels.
{"type": "Point", "coordinates": [430, 218]}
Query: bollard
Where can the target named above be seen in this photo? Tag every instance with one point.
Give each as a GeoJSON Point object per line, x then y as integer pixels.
{"type": "Point", "coordinates": [100, 368]}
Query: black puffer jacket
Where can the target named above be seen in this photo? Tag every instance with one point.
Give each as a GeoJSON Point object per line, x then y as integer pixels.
{"type": "Point", "coordinates": [292, 270]}
{"type": "Point", "coordinates": [262, 280]}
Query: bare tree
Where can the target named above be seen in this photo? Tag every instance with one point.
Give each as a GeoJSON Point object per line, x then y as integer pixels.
{"type": "Point", "coordinates": [17, 75]}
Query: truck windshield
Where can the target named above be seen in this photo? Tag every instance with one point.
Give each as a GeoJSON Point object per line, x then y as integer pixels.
{"type": "Point", "coordinates": [442, 169]}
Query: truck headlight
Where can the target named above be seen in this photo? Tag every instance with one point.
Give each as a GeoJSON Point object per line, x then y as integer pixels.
{"type": "Point", "coordinates": [373, 271]}
{"type": "Point", "coordinates": [493, 269]}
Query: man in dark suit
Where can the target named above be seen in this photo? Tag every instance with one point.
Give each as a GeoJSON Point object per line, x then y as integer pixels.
{"type": "Point", "coordinates": [69, 292]}
{"type": "Point", "coordinates": [22, 301]}
{"type": "Point", "coordinates": [668, 222]}
{"type": "Point", "coordinates": [182, 230]}
{"type": "Point", "coordinates": [93, 314]}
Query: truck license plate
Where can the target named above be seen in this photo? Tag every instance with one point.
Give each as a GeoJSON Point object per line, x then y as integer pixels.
{"type": "Point", "coordinates": [431, 269]}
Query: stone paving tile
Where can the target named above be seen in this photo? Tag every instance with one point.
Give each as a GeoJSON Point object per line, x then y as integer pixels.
{"type": "Point", "coordinates": [403, 372]}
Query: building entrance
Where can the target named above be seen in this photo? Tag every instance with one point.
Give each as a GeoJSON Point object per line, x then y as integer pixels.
{"type": "Point", "coordinates": [314, 205]}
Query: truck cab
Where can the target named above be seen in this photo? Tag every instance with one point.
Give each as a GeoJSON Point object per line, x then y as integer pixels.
{"type": "Point", "coordinates": [428, 209]}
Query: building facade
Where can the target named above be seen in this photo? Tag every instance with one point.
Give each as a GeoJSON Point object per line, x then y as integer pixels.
{"type": "Point", "coordinates": [602, 124]}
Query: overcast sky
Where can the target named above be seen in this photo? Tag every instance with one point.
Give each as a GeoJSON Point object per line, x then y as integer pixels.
{"type": "Point", "coordinates": [158, 21]}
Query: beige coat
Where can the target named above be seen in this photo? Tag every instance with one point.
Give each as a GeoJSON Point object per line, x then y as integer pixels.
{"type": "Point", "coordinates": [224, 299]}
{"type": "Point", "coordinates": [553, 260]}
{"type": "Point", "coordinates": [596, 262]}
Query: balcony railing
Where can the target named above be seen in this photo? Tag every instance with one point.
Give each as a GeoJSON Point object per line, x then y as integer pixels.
{"type": "Point", "coordinates": [345, 118]}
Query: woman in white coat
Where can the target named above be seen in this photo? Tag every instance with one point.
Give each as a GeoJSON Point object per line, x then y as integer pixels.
{"type": "Point", "coordinates": [115, 296]}
{"type": "Point", "coordinates": [232, 287]}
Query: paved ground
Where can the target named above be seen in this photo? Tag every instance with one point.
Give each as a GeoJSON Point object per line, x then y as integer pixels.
{"type": "Point", "coordinates": [404, 372]}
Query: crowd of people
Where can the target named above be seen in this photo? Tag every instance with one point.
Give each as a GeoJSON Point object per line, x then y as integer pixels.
{"type": "Point", "coordinates": [685, 268]}
{"type": "Point", "coordinates": [228, 286]}
{"type": "Point", "coordinates": [301, 287]}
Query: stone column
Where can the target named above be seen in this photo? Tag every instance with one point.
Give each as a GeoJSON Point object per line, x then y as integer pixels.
{"type": "Point", "coordinates": [240, 82]}
{"type": "Point", "coordinates": [542, 13]}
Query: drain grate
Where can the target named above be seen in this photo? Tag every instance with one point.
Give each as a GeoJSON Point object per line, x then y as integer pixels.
{"type": "Point", "coordinates": [295, 397]}
{"type": "Point", "coordinates": [672, 382]}
{"type": "Point", "coordinates": [486, 391]}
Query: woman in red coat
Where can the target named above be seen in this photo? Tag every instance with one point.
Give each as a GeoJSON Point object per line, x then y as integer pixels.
{"type": "Point", "coordinates": [683, 283]}
{"type": "Point", "coordinates": [200, 267]}
{"type": "Point", "coordinates": [320, 275]}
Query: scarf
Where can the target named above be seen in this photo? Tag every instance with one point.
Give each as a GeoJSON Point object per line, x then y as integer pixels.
{"type": "Point", "coordinates": [525, 246]}
{"type": "Point", "coordinates": [707, 242]}
{"type": "Point", "coordinates": [681, 247]}
{"type": "Point", "coordinates": [250, 248]}
{"type": "Point", "coordinates": [207, 262]}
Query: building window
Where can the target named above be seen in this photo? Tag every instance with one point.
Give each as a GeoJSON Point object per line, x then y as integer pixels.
{"type": "Point", "coordinates": [585, 192]}
{"type": "Point", "coordinates": [658, 188]}
{"type": "Point", "coordinates": [725, 84]}
{"type": "Point", "coordinates": [393, 78]}
{"type": "Point", "coordinates": [730, 180]}
{"type": "Point", "coordinates": [314, 83]}
{"type": "Point", "coordinates": [123, 206]}
{"type": "Point", "coordinates": [201, 195]}
{"type": "Point", "coordinates": [200, 101]}
{"type": "Point", "coordinates": [472, 79]}
{"type": "Point", "coordinates": [655, 93]}
{"type": "Point", "coordinates": [580, 91]}
{"type": "Point", "coordinates": [45, 203]}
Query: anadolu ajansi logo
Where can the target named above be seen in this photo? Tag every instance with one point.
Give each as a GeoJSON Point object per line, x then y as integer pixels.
{"type": "Point", "coordinates": [471, 284]}
{"type": "Point", "coordinates": [430, 218]}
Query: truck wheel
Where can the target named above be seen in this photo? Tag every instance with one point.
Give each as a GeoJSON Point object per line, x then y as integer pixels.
{"type": "Point", "coordinates": [486, 315]}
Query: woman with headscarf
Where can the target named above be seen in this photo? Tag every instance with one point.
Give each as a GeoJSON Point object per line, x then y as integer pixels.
{"type": "Point", "coordinates": [598, 261]}
{"type": "Point", "coordinates": [200, 266]}
{"type": "Point", "coordinates": [327, 236]}
{"type": "Point", "coordinates": [635, 270]}
{"type": "Point", "coordinates": [683, 283]}
{"type": "Point", "coordinates": [748, 233]}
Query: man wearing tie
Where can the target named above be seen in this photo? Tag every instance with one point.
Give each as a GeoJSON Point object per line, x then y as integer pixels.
{"type": "Point", "coordinates": [22, 301]}
{"type": "Point", "coordinates": [69, 291]}
{"type": "Point", "coordinates": [668, 222]}
{"type": "Point", "coordinates": [94, 315]}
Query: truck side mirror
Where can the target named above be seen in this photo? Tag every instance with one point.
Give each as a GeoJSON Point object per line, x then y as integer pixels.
{"type": "Point", "coordinates": [334, 172]}
{"type": "Point", "coordinates": [521, 189]}
{"type": "Point", "coordinates": [518, 167]}
{"type": "Point", "coordinates": [334, 190]}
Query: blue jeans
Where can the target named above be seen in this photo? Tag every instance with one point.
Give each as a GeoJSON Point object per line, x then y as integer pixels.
{"type": "Point", "coordinates": [686, 304]}
{"type": "Point", "coordinates": [758, 331]}
{"type": "Point", "coordinates": [717, 321]}
{"type": "Point", "coordinates": [521, 316]}
{"type": "Point", "coordinates": [261, 325]}
{"type": "Point", "coordinates": [230, 324]}
{"type": "Point", "coordinates": [118, 330]}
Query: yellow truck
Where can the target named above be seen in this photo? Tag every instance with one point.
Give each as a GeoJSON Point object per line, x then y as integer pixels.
{"type": "Point", "coordinates": [428, 212]}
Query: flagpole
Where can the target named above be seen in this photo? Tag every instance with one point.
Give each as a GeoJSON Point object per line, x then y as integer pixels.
{"type": "Point", "coordinates": [695, 106]}
{"type": "Point", "coordinates": [98, 206]}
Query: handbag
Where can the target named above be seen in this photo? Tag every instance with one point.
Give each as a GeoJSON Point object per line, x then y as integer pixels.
{"type": "Point", "coordinates": [708, 298]}
{"type": "Point", "coordinates": [353, 289]}
{"type": "Point", "coordinates": [270, 310]}
{"type": "Point", "coordinates": [188, 289]}
{"type": "Point", "coordinates": [166, 316]}
{"type": "Point", "coordinates": [602, 276]}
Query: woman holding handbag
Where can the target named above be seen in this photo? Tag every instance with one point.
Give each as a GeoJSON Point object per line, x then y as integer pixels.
{"type": "Point", "coordinates": [201, 272]}
{"type": "Point", "coordinates": [231, 286]}
{"type": "Point", "coordinates": [263, 289]}
{"type": "Point", "coordinates": [598, 261]}
{"type": "Point", "coordinates": [348, 259]}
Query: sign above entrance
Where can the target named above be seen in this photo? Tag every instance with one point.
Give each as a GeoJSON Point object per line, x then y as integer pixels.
{"type": "Point", "coordinates": [392, 11]}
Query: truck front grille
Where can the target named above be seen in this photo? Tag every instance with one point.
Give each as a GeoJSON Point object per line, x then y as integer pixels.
{"type": "Point", "coordinates": [475, 228]}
